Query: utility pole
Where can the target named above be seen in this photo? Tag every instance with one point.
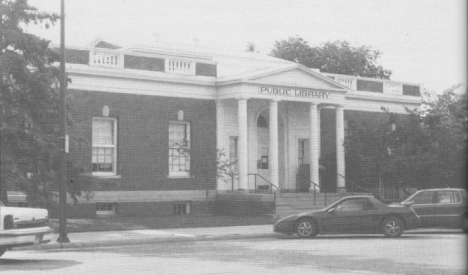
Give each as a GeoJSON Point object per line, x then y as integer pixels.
{"type": "Point", "coordinates": [63, 238]}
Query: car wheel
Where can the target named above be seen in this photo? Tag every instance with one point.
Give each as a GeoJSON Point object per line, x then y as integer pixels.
{"type": "Point", "coordinates": [306, 228]}
{"type": "Point", "coordinates": [2, 251]}
{"type": "Point", "coordinates": [393, 227]}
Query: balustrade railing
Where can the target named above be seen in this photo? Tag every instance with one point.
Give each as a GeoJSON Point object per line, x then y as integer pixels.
{"type": "Point", "coordinates": [392, 88]}
{"type": "Point", "coordinates": [99, 58]}
{"type": "Point", "coordinates": [347, 82]}
{"type": "Point", "coordinates": [180, 66]}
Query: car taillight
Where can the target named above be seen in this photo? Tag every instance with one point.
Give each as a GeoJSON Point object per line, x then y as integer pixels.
{"type": "Point", "coordinates": [8, 222]}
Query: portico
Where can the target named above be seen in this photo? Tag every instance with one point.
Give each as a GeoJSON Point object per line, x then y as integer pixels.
{"type": "Point", "coordinates": [247, 106]}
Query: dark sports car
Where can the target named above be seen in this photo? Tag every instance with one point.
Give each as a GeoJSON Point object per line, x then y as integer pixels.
{"type": "Point", "coordinates": [355, 214]}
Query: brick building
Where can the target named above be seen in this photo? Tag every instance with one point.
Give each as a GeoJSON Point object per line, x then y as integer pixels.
{"type": "Point", "coordinates": [157, 117]}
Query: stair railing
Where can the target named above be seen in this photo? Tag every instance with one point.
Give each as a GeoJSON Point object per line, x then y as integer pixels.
{"type": "Point", "coordinates": [265, 180]}
{"type": "Point", "coordinates": [315, 188]}
{"type": "Point", "coordinates": [354, 185]}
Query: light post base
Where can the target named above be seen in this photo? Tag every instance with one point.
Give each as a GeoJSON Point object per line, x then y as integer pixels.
{"type": "Point", "coordinates": [63, 239]}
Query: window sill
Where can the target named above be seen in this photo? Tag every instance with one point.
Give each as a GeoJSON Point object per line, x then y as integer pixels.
{"type": "Point", "coordinates": [180, 177]}
{"type": "Point", "coordinates": [107, 176]}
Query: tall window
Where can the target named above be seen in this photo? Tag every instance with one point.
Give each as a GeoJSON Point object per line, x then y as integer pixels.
{"type": "Point", "coordinates": [233, 157]}
{"type": "Point", "coordinates": [303, 148]}
{"type": "Point", "coordinates": [179, 149]}
{"type": "Point", "coordinates": [104, 146]}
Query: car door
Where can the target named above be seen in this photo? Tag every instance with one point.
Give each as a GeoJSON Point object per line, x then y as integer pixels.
{"type": "Point", "coordinates": [449, 208]}
{"type": "Point", "coordinates": [345, 217]}
{"type": "Point", "coordinates": [425, 207]}
{"type": "Point", "coordinates": [371, 216]}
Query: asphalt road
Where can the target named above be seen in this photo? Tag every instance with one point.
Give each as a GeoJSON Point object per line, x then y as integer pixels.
{"type": "Point", "coordinates": [367, 254]}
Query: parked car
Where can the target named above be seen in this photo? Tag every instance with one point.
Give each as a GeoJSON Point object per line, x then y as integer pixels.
{"type": "Point", "coordinates": [21, 226]}
{"type": "Point", "coordinates": [355, 214]}
{"type": "Point", "coordinates": [443, 207]}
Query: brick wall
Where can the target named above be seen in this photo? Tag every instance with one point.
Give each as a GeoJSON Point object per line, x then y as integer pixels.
{"type": "Point", "coordinates": [328, 145]}
{"type": "Point", "coordinates": [142, 139]}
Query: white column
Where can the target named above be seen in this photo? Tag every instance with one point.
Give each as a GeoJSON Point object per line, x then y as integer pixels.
{"type": "Point", "coordinates": [319, 133]}
{"type": "Point", "coordinates": [220, 136]}
{"type": "Point", "coordinates": [313, 148]}
{"type": "Point", "coordinates": [273, 146]}
{"type": "Point", "coordinates": [340, 150]}
{"type": "Point", "coordinates": [242, 143]}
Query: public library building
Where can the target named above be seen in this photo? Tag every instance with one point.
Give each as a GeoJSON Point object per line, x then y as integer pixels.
{"type": "Point", "coordinates": [160, 119]}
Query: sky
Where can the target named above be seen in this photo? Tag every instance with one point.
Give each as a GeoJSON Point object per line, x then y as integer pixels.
{"type": "Point", "coordinates": [422, 41]}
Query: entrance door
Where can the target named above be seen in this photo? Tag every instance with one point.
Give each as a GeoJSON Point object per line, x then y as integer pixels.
{"type": "Point", "coordinates": [263, 155]}
{"type": "Point", "coordinates": [264, 151]}
{"type": "Point", "coordinates": [303, 167]}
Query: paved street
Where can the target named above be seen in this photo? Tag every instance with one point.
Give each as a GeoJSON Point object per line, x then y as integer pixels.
{"type": "Point", "coordinates": [369, 254]}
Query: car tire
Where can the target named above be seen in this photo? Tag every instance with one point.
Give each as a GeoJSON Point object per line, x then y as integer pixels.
{"type": "Point", "coordinates": [306, 228]}
{"type": "Point", "coordinates": [2, 251]}
{"type": "Point", "coordinates": [392, 227]}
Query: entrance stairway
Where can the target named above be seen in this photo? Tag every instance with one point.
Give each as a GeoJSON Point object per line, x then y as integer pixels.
{"type": "Point", "coordinates": [294, 203]}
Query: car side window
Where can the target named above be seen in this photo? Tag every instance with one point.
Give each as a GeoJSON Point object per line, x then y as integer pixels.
{"type": "Point", "coordinates": [351, 205]}
{"type": "Point", "coordinates": [425, 197]}
{"type": "Point", "coordinates": [368, 205]}
{"type": "Point", "coordinates": [448, 197]}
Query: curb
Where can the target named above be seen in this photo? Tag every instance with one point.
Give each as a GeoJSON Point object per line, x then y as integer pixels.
{"type": "Point", "coordinates": [174, 239]}
{"type": "Point", "coordinates": [110, 243]}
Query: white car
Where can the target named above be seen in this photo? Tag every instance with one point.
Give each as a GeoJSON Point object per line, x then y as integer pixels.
{"type": "Point", "coordinates": [21, 226]}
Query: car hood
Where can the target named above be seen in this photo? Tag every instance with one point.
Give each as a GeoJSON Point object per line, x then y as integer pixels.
{"type": "Point", "coordinates": [305, 214]}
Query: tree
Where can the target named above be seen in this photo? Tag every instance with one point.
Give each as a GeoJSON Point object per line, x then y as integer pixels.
{"type": "Point", "coordinates": [250, 47]}
{"type": "Point", "coordinates": [30, 107]}
{"type": "Point", "coordinates": [332, 57]}
{"type": "Point", "coordinates": [424, 149]}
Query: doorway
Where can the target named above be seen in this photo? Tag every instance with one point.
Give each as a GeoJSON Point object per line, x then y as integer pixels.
{"type": "Point", "coordinates": [263, 150]}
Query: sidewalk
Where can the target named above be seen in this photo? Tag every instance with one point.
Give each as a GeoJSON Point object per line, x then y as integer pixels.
{"type": "Point", "coordinates": [153, 236]}
{"type": "Point", "coordinates": [136, 237]}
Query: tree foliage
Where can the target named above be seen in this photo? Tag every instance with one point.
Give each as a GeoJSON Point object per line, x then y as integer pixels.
{"type": "Point", "coordinates": [29, 107]}
{"type": "Point", "coordinates": [332, 57]}
{"type": "Point", "coordinates": [424, 149]}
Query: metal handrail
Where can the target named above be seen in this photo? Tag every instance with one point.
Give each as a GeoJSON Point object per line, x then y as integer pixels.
{"type": "Point", "coordinates": [269, 182]}
{"type": "Point", "coordinates": [354, 184]}
{"type": "Point", "coordinates": [315, 186]}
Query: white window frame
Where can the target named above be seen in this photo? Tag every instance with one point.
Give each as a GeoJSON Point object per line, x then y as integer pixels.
{"type": "Point", "coordinates": [105, 209]}
{"type": "Point", "coordinates": [180, 174]}
{"type": "Point", "coordinates": [114, 146]}
{"type": "Point", "coordinates": [305, 156]}
{"type": "Point", "coordinates": [182, 208]}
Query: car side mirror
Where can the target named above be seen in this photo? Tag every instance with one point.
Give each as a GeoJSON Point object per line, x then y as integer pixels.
{"type": "Point", "coordinates": [331, 210]}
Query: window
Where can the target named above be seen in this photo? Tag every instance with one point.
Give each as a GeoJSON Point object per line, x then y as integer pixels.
{"type": "Point", "coordinates": [303, 147]}
{"type": "Point", "coordinates": [179, 149]}
{"type": "Point", "coordinates": [181, 208]}
{"type": "Point", "coordinates": [105, 208]}
{"type": "Point", "coordinates": [351, 205]}
{"type": "Point", "coordinates": [448, 197]}
{"type": "Point", "coordinates": [233, 157]}
{"type": "Point", "coordinates": [262, 122]}
{"type": "Point", "coordinates": [424, 197]}
{"type": "Point", "coordinates": [104, 146]}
